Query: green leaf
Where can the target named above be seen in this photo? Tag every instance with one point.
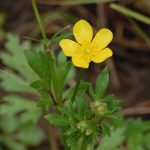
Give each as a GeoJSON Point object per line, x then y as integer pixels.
{"type": "Point", "coordinates": [57, 120]}
{"type": "Point", "coordinates": [65, 72]}
{"type": "Point", "coordinates": [69, 131]}
{"type": "Point", "coordinates": [71, 73]}
{"type": "Point", "coordinates": [67, 94]}
{"type": "Point", "coordinates": [34, 61]}
{"type": "Point", "coordinates": [17, 111]}
{"type": "Point", "coordinates": [18, 78]}
{"type": "Point", "coordinates": [37, 84]}
{"type": "Point", "coordinates": [9, 124]}
{"type": "Point", "coordinates": [16, 104]}
{"type": "Point", "coordinates": [69, 111]}
{"type": "Point", "coordinates": [27, 137]}
{"type": "Point", "coordinates": [11, 82]}
{"type": "Point", "coordinates": [82, 107]}
{"type": "Point", "coordinates": [112, 102]}
{"type": "Point", "coordinates": [62, 74]}
{"type": "Point", "coordinates": [60, 31]}
{"type": "Point", "coordinates": [133, 14]}
{"type": "Point", "coordinates": [86, 86]}
{"type": "Point", "coordinates": [83, 87]}
{"type": "Point", "coordinates": [14, 58]}
{"type": "Point", "coordinates": [136, 132]}
{"type": "Point", "coordinates": [72, 141]}
{"type": "Point", "coordinates": [60, 37]}
{"type": "Point", "coordinates": [61, 59]}
{"type": "Point", "coordinates": [91, 90]}
{"type": "Point", "coordinates": [113, 141]}
{"type": "Point", "coordinates": [44, 101]}
{"type": "Point", "coordinates": [146, 142]}
{"type": "Point", "coordinates": [42, 64]}
{"type": "Point", "coordinates": [80, 2]}
{"type": "Point", "coordinates": [102, 82]}
{"type": "Point", "coordinates": [12, 144]}
{"type": "Point", "coordinates": [105, 130]}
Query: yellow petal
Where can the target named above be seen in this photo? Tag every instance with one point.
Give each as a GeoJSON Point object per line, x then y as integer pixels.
{"type": "Point", "coordinates": [83, 32]}
{"type": "Point", "coordinates": [101, 39]}
{"type": "Point", "coordinates": [100, 56]}
{"type": "Point", "coordinates": [80, 61]}
{"type": "Point", "coordinates": [69, 47]}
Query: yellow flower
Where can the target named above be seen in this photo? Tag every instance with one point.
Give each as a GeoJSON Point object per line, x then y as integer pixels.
{"type": "Point", "coordinates": [87, 49]}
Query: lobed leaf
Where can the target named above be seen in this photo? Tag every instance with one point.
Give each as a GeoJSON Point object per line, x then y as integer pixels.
{"type": "Point", "coordinates": [57, 120]}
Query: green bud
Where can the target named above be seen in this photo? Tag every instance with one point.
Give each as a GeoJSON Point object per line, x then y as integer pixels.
{"type": "Point", "coordinates": [88, 131]}
{"type": "Point", "coordinates": [98, 107]}
{"type": "Point", "coordinates": [82, 126]}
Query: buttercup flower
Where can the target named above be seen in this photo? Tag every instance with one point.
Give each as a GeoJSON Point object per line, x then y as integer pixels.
{"type": "Point", "coordinates": [87, 48]}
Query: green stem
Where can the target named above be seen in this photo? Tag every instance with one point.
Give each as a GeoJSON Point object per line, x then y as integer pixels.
{"type": "Point", "coordinates": [84, 145]}
{"type": "Point", "coordinates": [77, 85]}
{"type": "Point", "coordinates": [47, 45]}
{"type": "Point", "coordinates": [52, 138]}
{"type": "Point", "coordinates": [38, 19]}
{"type": "Point", "coordinates": [52, 141]}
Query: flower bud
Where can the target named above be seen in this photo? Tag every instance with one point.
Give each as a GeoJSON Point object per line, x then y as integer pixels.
{"type": "Point", "coordinates": [98, 107]}
{"type": "Point", "coordinates": [88, 132]}
{"type": "Point", "coordinates": [82, 126]}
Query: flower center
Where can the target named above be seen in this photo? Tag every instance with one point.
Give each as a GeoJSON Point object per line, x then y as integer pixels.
{"type": "Point", "coordinates": [86, 50]}
{"type": "Point", "coordinates": [84, 53]}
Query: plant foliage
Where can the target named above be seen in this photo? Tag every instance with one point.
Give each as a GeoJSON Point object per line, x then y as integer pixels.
{"type": "Point", "coordinates": [19, 115]}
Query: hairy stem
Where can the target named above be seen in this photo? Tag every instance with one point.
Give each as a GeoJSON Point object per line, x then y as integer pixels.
{"type": "Point", "coordinates": [52, 138]}
{"type": "Point", "coordinates": [38, 19]}
{"type": "Point", "coordinates": [52, 141]}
